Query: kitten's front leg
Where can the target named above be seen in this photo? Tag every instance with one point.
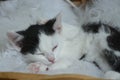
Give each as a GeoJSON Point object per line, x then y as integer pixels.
{"type": "Point", "coordinates": [36, 67]}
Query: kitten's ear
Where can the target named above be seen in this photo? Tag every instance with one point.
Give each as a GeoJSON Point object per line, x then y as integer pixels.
{"type": "Point", "coordinates": [15, 39]}
{"type": "Point", "coordinates": [58, 23]}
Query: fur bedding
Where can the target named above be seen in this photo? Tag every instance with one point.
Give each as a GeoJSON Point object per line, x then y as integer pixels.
{"type": "Point", "coordinates": [17, 14]}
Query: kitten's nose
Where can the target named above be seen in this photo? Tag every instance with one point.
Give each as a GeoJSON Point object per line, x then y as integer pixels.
{"type": "Point", "coordinates": [51, 59]}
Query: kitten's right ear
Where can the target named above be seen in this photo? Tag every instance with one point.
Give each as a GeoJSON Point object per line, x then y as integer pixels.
{"type": "Point", "coordinates": [58, 23]}
{"type": "Point", "coordinates": [15, 38]}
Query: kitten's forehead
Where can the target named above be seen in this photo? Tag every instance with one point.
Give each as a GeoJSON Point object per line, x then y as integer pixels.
{"type": "Point", "coordinates": [32, 35]}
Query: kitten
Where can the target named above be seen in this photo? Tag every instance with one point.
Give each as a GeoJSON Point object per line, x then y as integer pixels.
{"type": "Point", "coordinates": [51, 38]}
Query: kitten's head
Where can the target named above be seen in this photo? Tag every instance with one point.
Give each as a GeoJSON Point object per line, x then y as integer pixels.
{"type": "Point", "coordinates": [37, 38]}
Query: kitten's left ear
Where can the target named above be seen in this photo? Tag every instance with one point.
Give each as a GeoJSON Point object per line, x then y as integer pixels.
{"type": "Point", "coordinates": [15, 38]}
{"type": "Point", "coordinates": [58, 23]}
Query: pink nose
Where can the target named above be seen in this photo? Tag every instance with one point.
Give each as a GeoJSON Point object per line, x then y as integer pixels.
{"type": "Point", "coordinates": [51, 59]}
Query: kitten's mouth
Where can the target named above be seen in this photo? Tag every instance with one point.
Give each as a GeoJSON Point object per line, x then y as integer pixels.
{"type": "Point", "coordinates": [52, 59]}
{"type": "Point", "coordinates": [54, 48]}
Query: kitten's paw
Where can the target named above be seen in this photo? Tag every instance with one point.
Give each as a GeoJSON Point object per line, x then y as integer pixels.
{"type": "Point", "coordinates": [37, 67]}
{"type": "Point", "coordinates": [34, 68]}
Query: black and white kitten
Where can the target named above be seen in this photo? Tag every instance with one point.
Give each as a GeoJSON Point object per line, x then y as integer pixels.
{"type": "Point", "coordinates": [53, 38]}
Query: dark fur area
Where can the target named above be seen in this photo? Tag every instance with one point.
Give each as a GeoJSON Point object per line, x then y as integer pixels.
{"type": "Point", "coordinates": [114, 40]}
{"type": "Point", "coordinates": [30, 42]}
{"type": "Point", "coordinates": [91, 27]}
{"type": "Point", "coordinates": [3, 0]}
{"type": "Point", "coordinates": [48, 27]}
{"type": "Point", "coordinates": [112, 59]}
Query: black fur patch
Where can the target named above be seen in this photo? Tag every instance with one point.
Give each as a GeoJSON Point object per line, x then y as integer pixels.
{"type": "Point", "coordinates": [48, 27]}
{"type": "Point", "coordinates": [112, 59]}
{"type": "Point", "coordinates": [91, 27]}
{"type": "Point", "coordinates": [30, 41]}
{"type": "Point", "coordinates": [94, 28]}
{"type": "Point", "coordinates": [3, 0]}
{"type": "Point", "coordinates": [114, 40]}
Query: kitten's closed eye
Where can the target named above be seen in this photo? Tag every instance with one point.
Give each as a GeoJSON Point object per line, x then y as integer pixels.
{"type": "Point", "coordinates": [54, 48]}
